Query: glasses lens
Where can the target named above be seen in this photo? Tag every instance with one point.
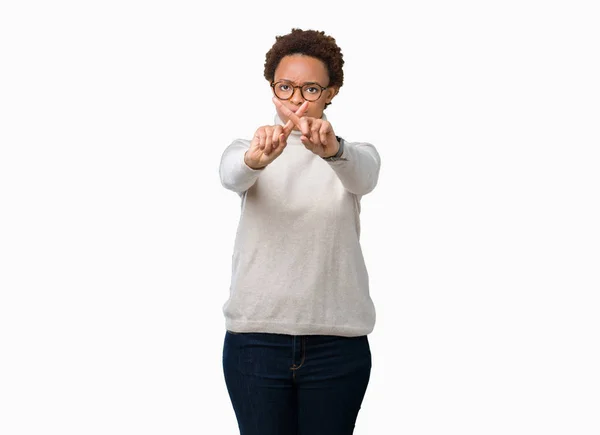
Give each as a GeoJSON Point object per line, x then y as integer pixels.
{"type": "Point", "coordinates": [311, 92]}
{"type": "Point", "coordinates": [283, 90]}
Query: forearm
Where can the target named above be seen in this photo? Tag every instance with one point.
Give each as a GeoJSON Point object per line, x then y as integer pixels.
{"type": "Point", "coordinates": [235, 174]}
{"type": "Point", "coordinates": [358, 168]}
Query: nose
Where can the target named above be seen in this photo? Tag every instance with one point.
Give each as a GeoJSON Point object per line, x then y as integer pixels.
{"type": "Point", "coordinates": [297, 97]}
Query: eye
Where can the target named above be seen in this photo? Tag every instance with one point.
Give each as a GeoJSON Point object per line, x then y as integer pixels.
{"type": "Point", "coordinates": [283, 87]}
{"type": "Point", "coordinates": [311, 89]}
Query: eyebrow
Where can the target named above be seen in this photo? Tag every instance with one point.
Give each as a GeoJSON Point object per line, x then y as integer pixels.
{"type": "Point", "coordinates": [303, 84]}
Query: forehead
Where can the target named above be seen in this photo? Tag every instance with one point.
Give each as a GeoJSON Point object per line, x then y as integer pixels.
{"type": "Point", "coordinates": [300, 69]}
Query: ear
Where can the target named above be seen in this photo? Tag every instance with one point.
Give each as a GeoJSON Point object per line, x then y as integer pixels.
{"type": "Point", "coordinates": [330, 93]}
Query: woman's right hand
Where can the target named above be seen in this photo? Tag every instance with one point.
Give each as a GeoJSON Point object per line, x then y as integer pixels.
{"type": "Point", "coordinates": [269, 141]}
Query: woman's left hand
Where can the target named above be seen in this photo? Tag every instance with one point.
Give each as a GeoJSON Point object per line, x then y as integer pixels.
{"type": "Point", "coordinates": [317, 134]}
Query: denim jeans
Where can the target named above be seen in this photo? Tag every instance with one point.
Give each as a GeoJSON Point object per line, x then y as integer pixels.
{"type": "Point", "coordinates": [296, 384]}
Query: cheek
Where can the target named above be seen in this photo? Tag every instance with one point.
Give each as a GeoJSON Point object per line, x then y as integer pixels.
{"type": "Point", "coordinates": [316, 110]}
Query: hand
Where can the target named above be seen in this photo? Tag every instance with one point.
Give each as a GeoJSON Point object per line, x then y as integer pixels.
{"type": "Point", "coordinates": [317, 134]}
{"type": "Point", "coordinates": [269, 141]}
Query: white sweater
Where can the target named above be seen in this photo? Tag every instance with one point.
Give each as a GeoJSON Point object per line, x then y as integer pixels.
{"type": "Point", "coordinates": [297, 264]}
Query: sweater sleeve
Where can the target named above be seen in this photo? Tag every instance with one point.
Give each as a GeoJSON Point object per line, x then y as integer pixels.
{"type": "Point", "coordinates": [358, 167]}
{"type": "Point", "coordinates": [235, 174]}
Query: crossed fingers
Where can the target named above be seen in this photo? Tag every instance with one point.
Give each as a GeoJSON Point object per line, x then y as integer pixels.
{"type": "Point", "coordinates": [269, 138]}
{"type": "Point", "coordinates": [289, 126]}
{"type": "Point", "coordinates": [293, 118]}
{"type": "Point", "coordinates": [317, 134]}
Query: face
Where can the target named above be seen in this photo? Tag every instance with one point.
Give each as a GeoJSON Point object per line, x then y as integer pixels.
{"type": "Point", "coordinates": [298, 69]}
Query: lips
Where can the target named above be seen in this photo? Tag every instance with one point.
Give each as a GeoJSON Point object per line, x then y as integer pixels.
{"type": "Point", "coordinates": [294, 109]}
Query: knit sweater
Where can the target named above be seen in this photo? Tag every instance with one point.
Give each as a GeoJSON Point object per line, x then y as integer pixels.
{"type": "Point", "coordinates": [297, 264]}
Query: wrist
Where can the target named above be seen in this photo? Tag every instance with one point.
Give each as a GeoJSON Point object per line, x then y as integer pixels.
{"type": "Point", "coordinates": [338, 155]}
{"type": "Point", "coordinates": [250, 165]}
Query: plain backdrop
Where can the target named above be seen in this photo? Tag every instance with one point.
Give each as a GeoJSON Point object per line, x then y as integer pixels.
{"type": "Point", "coordinates": [481, 239]}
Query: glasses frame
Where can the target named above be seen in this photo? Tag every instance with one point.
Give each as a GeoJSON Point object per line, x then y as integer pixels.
{"type": "Point", "coordinates": [294, 87]}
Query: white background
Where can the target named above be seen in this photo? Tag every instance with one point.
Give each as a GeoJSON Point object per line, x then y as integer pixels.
{"type": "Point", "coordinates": [481, 239]}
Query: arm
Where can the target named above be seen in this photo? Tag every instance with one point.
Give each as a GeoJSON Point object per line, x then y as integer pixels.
{"type": "Point", "coordinates": [358, 167]}
{"type": "Point", "coordinates": [235, 174]}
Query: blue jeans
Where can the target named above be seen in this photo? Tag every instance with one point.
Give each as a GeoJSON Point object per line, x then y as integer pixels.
{"type": "Point", "coordinates": [296, 384]}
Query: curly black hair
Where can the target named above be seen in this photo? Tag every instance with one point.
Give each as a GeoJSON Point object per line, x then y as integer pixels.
{"type": "Point", "coordinates": [312, 43]}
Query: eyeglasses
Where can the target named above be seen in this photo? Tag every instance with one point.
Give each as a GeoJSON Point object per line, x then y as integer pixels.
{"type": "Point", "coordinates": [309, 91]}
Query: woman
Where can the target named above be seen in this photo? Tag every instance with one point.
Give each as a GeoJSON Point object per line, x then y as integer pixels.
{"type": "Point", "coordinates": [296, 357]}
